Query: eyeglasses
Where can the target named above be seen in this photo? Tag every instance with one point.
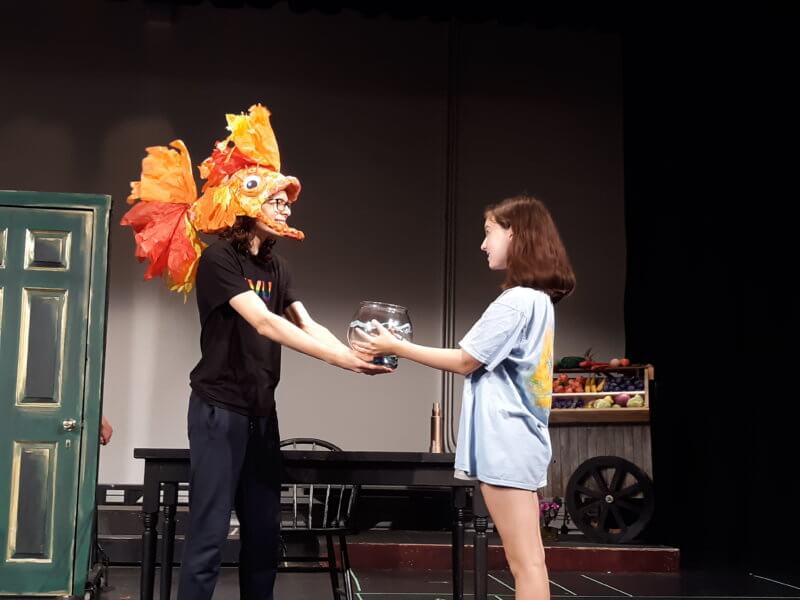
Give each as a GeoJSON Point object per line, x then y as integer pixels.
{"type": "Point", "coordinates": [280, 205]}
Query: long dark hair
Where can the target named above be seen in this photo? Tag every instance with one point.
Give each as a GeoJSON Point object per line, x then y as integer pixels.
{"type": "Point", "coordinates": [241, 233]}
{"type": "Point", "coordinates": [536, 255]}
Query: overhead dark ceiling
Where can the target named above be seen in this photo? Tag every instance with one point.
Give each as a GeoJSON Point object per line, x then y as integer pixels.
{"type": "Point", "coordinates": [600, 16]}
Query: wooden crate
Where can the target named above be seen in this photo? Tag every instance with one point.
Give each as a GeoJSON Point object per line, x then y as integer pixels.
{"type": "Point", "coordinates": [605, 415]}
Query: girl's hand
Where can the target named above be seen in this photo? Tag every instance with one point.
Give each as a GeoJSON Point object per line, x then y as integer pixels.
{"type": "Point", "coordinates": [381, 343]}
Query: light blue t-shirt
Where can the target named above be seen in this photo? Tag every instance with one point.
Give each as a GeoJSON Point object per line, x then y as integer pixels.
{"type": "Point", "coordinates": [503, 438]}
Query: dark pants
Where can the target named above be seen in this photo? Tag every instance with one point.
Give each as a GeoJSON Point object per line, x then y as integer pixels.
{"type": "Point", "coordinates": [235, 463]}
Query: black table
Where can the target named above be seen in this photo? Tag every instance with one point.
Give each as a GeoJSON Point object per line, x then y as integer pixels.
{"type": "Point", "coordinates": [166, 468]}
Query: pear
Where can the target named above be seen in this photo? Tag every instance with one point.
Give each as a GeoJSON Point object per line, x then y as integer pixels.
{"type": "Point", "coordinates": [636, 402]}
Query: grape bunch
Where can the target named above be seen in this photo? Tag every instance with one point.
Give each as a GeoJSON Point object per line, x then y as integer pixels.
{"type": "Point", "coordinates": [624, 383]}
{"type": "Point", "coordinates": [567, 402]}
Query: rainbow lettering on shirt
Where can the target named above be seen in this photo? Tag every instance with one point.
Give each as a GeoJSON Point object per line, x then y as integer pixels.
{"type": "Point", "coordinates": [262, 288]}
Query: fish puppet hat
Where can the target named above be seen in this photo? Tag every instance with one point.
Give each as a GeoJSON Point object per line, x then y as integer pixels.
{"type": "Point", "coordinates": [241, 174]}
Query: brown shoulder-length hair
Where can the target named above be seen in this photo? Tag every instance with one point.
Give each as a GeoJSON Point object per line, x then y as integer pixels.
{"type": "Point", "coordinates": [536, 255]}
{"type": "Point", "coordinates": [241, 233]}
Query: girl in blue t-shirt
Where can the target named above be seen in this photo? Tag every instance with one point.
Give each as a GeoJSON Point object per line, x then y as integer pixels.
{"type": "Point", "coordinates": [507, 359]}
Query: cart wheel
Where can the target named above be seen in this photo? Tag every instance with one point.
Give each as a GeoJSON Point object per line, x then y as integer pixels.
{"type": "Point", "coordinates": [610, 499]}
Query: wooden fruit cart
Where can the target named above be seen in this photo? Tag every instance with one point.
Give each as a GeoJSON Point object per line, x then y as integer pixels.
{"type": "Point", "coordinates": [602, 464]}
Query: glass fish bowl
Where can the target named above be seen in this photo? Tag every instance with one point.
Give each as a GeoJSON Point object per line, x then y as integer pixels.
{"type": "Point", "coordinates": [392, 316]}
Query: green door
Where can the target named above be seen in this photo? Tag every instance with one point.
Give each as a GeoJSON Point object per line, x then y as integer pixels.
{"type": "Point", "coordinates": [45, 259]}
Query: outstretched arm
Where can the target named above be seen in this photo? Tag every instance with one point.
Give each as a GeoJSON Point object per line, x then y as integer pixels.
{"type": "Point", "coordinates": [454, 360]}
{"type": "Point", "coordinates": [266, 323]}
{"type": "Point", "coordinates": [298, 314]}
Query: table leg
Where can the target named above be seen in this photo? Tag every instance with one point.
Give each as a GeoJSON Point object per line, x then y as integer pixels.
{"type": "Point", "coordinates": [459, 506]}
{"type": "Point", "coordinates": [168, 538]}
{"type": "Point", "coordinates": [481, 544]}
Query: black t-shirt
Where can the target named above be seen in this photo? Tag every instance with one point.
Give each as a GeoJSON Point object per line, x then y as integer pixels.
{"type": "Point", "coordinates": [239, 369]}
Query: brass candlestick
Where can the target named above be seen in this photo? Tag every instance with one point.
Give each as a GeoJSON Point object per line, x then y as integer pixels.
{"type": "Point", "coordinates": [436, 429]}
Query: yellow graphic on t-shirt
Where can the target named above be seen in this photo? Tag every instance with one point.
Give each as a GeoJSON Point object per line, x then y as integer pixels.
{"type": "Point", "coordinates": [542, 378]}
